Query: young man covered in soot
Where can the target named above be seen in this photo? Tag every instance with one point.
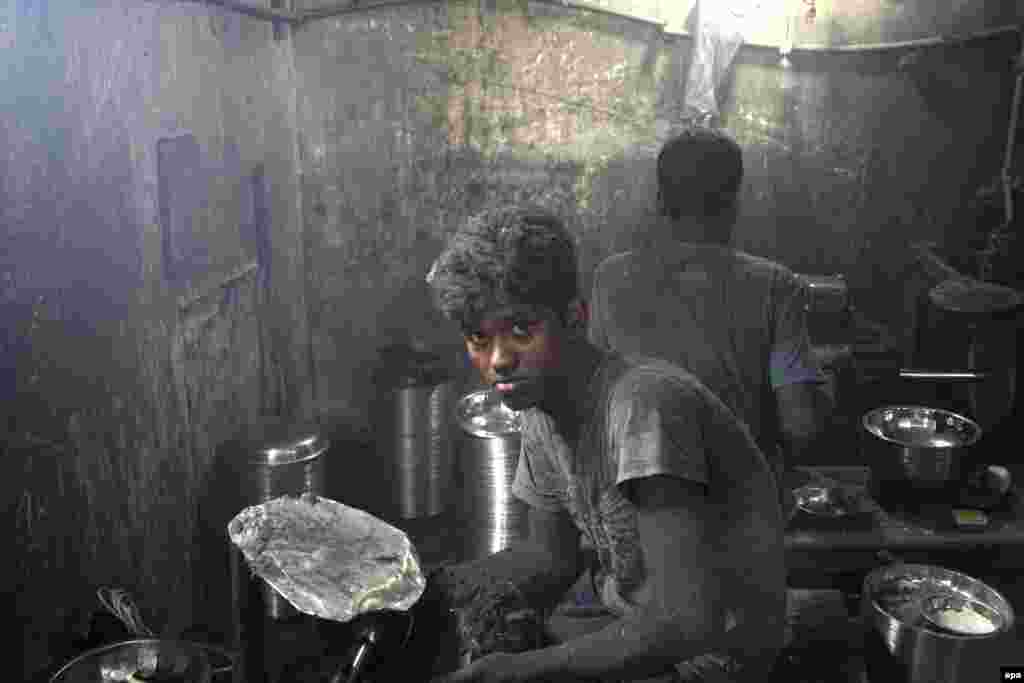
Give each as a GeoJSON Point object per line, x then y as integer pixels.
{"type": "Point", "coordinates": [669, 487]}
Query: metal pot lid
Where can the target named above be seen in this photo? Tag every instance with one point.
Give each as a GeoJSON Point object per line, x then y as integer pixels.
{"type": "Point", "coordinates": [921, 427]}
{"type": "Point", "coordinates": [482, 413]}
{"type": "Point", "coordinates": [289, 445]}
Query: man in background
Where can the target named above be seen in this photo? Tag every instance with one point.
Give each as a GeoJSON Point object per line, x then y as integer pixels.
{"type": "Point", "coordinates": [736, 321]}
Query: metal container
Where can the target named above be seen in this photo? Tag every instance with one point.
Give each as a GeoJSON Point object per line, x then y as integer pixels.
{"type": "Point", "coordinates": [491, 518]}
{"type": "Point", "coordinates": [290, 463]}
{"type": "Point", "coordinates": [422, 449]}
{"type": "Point", "coordinates": [145, 659]}
{"type": "Point", "coordinates": [902, 643]}
{"type": "Point", "coordinates": [415, 395]}
{"type": "Point", "coordinates": [826, 293]}
{"type": "Point", "coordinates": [924, 448]}
{"type": "Point", "coordinates": [281, 458]}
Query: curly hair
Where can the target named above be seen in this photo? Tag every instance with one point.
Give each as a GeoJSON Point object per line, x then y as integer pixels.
{"type": "Point", "coordinates": [503, 256]}
{"type": "Point", "coordinates": [699, 173]}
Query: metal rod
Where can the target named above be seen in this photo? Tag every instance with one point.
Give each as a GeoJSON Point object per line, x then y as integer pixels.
{"type": "Point", "coordinates": [1011, 137]}
{"type": "Point", "coordinates": [817, 541]}
{"type": "Point", "coordinates": [939, 376]}
{"type": "Point", "coordinates": [355, 7]}
{"type": "Point", "coordinates": [185, 303]}
{"type": "Point", "coordinates": [256, 12]}
{"type": "Point", "coordinates": [933, 263]}
{"type": "Point", "coordinates": [357, 664]}
{"type": "Point", "coordinates": [905, 44]}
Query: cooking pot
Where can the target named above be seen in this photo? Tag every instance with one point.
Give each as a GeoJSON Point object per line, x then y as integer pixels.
{"type": "Point", "coordinates": [922, 447]}
{"type": "Point", "coordinates": [904, 643]}
{"type": "Point", "coordinates": [170, 661]}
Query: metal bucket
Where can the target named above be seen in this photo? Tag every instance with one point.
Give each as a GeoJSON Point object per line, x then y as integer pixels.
{"type": "Point", "coordinates": [290, 465]}
{"type": "Point", "coordinates": [490, 517]}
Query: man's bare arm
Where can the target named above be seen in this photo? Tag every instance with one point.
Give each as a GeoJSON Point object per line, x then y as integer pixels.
{"type": "Point", "coordinates": [683, 618]}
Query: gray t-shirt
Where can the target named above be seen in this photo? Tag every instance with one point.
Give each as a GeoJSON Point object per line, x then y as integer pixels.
{"type": "Point", "coordinates": [646, 417]}
{"type": "Point", "coordinates": [734, 320]}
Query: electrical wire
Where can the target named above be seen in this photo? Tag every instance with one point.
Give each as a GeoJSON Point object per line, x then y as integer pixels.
{"type": "Point", "coordinates": [119, 603]}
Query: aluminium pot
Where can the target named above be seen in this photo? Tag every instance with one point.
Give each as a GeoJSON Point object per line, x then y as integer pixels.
{"type": "Point", "coordinates": [414, 394]}
{"type": "Point", "coordinates": [919, 448]}
{"type": "Point", "coordinates": [282, 458]}
{"type": "Point", "coordinates": [903, 645]}
{"type": "Point", "coordinates": [492, 518]}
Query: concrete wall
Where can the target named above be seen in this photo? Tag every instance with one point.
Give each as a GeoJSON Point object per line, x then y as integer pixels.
{"type": "Point", "coordinates": [371, 187]}
{"type": "Point", "coordinates": [850, 157]}
{"type": "Point", "coordinates": [116, 394]}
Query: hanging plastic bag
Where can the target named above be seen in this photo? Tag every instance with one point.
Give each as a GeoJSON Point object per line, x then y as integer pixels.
{"type": "Point", "coordinates": [717, 37]}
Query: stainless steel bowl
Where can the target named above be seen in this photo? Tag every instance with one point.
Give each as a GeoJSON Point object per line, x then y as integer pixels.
{"type": "Point", "coordinates": [961, 616]}
{"type": "Point", "coordinates": [894, 605]}
{"type": "Point", "coordinates": [924, 447]}
{"type": "Point", "coordinates": [136, 660]}
{"type": "Point", "coordinates": [821, 501]}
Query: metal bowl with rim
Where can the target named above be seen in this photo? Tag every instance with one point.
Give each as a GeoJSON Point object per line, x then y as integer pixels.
{"type": "Point", "coordinates": [922, 446]}
{"type": "Point", "coordinates": [150, 659]}
{"type": "Point", "coordinates": [898, 604]}
{"type": "Point", "coordinates": [961, 615]}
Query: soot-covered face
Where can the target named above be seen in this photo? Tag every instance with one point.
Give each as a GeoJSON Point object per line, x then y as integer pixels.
{"type": "Point", "coordinates": [518, 351]}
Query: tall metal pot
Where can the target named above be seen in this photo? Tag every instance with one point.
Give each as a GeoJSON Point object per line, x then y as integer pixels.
{"type": "Point", "coordinates": [414, 398]}
{"type": "Point", "coordinates": [274, 457]}
{"type": "Point", "coordinates": [281, 458]}
{"type": "Point", "coordinates": [491, 518]}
